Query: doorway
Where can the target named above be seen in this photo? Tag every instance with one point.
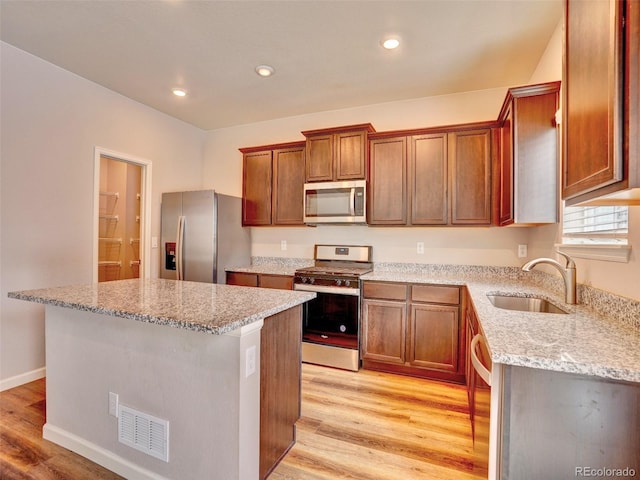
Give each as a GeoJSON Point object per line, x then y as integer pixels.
{"type": "Point", "coordinates": [121, 186]}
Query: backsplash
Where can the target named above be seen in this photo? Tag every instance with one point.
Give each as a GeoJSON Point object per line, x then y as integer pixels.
{"type": "Point", "coordinates": [620, 308]}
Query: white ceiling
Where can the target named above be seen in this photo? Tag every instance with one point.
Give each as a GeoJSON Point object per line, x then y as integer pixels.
{"type": "Point", "coordinates": [326, 53]}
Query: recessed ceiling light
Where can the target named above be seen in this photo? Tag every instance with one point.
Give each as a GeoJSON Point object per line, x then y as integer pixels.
{"type": "Point", "coordinates": [390, 43]}
{"type": "Point", "coordinates": [265, 70]}
{"type": "Point", "coordinates": [179, 92]}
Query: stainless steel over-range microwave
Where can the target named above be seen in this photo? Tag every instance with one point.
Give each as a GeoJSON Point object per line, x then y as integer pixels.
{"type": "Point", "coordinates": [335, 202]}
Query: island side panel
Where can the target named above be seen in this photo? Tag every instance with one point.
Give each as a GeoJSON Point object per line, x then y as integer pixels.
{"type": "Point", "coordinates": [562, 426]}
{"type": "Point", "coordinates": [193, 379]}
{"type": "Point", "coordinates": [280, 395]}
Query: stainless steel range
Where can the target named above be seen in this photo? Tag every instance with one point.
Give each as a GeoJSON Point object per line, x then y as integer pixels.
{"type": "Point", "coordinates": [331, 321]}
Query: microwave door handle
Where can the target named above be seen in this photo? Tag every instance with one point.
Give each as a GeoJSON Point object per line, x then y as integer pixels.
{"type": "Point", "coordinates": [352, 202]}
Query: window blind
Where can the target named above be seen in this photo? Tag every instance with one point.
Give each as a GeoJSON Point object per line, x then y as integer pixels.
{"type": "Point", "coordinates": [593, 225]}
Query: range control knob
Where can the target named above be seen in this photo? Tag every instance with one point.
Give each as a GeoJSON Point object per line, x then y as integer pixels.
{"type": "Point", "coordinates": [338, 282]}
{"type": "Point", "coordinates": [347, 283]}
{"type": "Point", "coordinates": [312, 280]}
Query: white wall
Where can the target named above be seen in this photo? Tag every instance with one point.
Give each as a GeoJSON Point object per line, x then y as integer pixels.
{"type": "Point", "coordinates": [51, 122]}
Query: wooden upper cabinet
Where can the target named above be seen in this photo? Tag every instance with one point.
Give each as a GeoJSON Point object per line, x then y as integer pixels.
{"type": "Point", "coordinates": [319, 162]}
{"type": "Point", "coordinates": [273, 182]}
{"type": "Point", "coordinates": [528, 156]}
{"type": "Point", "coordinates": [388, 181]}
{"type": "Point", "coordinates": [428, 179]}
{"type": "Point", "coordinates": [335, 154]}
{"type": "Point", "coordinates": [414, 177]}
{"type": "Point", "coordinates": [288, 185]}
{"type": "Point", "coordinates": [256, 188]}
{"type": "Point", "coordinates": [470, 177]}
{"type": "Point", "coordinates": [600, 101]}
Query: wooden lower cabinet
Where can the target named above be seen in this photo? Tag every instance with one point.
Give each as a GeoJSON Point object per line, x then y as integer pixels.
{"type": "Point", "coordinates": [280, 386]}
{"type": "Point", "coordinates": [384, 331]}
{"type": "Point", "coordinates": [413, 329]}
{"type": "Point", "coordinates": [264, 280]}
{"type": "Point", "coordinates": [433, 337]}
{"type": "Point", "coordinates": [242, 279]}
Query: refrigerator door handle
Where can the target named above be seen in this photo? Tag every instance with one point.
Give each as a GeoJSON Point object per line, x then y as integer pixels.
{"type": "Point", "coordinates": [179, 242]}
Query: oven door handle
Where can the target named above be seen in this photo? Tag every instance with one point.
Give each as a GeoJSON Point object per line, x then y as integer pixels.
{"type": "Point", "coordinates": [354, 292]}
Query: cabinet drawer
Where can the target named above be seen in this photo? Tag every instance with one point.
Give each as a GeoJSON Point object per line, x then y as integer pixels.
{"type": "Point", "coordinates": [283, 282]}
{"type": "Point", "coordinates": [385, 291]}
{"type": "Point", "coordinates": [435, 294]}
{"type": "Point", "coordinates": [242, 279]}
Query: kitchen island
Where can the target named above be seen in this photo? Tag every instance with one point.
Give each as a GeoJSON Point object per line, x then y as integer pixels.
{"type": "Point", "coordinates": [170, 379]}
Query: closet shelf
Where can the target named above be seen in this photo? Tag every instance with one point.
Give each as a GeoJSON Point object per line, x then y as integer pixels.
{"type": "Point", "coordinates": [109, 217]}
{"type": "Point", "coordinates": [109, 263]}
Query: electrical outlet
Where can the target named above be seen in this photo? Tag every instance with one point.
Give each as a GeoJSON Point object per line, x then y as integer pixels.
{"type": "Point", "coordinates": [113, 404]}
{"type": "Point", "coordinates": [283, 245]}
{"type": "Point", "coordinates": [420, 248]}
{"type": "Point", "coordinates": [522, 251]}
{"type": "Point", "coordinates": [154, 242]}
{"type": "Point", "coordinates": [250, 363]}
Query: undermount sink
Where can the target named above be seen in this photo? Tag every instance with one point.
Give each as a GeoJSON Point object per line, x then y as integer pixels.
{"type": "Point", "coordinates": [524, 304]}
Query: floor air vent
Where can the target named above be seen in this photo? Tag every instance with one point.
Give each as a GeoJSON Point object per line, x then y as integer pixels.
{"type": "Point", "coordinates": [143, 432]}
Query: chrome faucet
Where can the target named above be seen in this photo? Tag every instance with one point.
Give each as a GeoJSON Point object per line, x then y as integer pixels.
{"type": "Point", "coordinates": [568, 273]}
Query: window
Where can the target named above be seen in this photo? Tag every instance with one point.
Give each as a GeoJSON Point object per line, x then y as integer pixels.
{"type": "Point", "coordinates": [596, 233]}
{"type": "Point", "coordinates": [595, 225]}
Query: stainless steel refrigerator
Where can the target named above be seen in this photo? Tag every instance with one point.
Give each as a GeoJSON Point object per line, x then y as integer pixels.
{"type": "Point", "coordinates": [202, 234]}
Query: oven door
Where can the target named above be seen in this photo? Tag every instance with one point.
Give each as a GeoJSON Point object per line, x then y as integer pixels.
{"type": "Point", "coordinates": [332, 318]}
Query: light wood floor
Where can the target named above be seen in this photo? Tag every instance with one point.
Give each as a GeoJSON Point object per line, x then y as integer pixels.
{"type": "Point", "coordinates": [363, 425]}
{"type": "Point", "coordinates": [378, 426]}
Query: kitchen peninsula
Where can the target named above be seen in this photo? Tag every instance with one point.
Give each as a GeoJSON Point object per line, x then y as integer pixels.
{"type": "Point", "coordinates": [200, 356]}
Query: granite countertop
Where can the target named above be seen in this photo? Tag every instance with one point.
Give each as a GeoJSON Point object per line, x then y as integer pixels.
{"type": "Point", "coordinates": [266, 269]}
{"type": "Point", "coordinates": [203, 307]}
{"type": "Point", "coordinates": [583, 341]}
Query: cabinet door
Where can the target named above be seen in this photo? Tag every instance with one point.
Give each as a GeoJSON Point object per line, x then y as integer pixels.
{"type": "Point", "coordinates": [384, 326]}
{"type": "Point", "coordinates": [256, 188]}
{"type": "Point", "coordinates": [470, 177]}
{"type": "Point", "coordinates": [288, 183]}
{"type": "Point", "coordinates": [319, 158]}
{"type": "Point", "coordinates": [428, 179]}
{"type": "Point", "coordinates": [350, 155]}
{"type": "Point", "coordinates": [433, 337]}
{"type": "Point", "coordinates": [593, 98]}
{"type": "Point", "coordinates": [388, 181]}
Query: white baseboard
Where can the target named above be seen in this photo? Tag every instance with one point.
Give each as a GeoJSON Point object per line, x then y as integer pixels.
{"type": "Point", "coordinates": [96, 454]}
{"type": "Point", "coordinates": [23, 378]}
